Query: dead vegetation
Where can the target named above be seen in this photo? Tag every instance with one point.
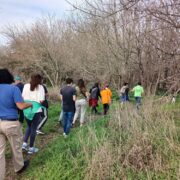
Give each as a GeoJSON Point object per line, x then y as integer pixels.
{"type": "Point", "coordinates": [145, 141]}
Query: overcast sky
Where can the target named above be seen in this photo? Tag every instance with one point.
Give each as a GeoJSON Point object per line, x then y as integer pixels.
{"type": "Point", "coordinates": [27, 11]}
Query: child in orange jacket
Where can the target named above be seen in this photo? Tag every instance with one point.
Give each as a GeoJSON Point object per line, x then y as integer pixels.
{"type": "Point", "coordinates": [106, 98]}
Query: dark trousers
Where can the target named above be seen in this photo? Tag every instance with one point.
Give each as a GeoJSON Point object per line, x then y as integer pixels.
{"type": "Point", "coordinates": [67, 119]}
{"type": "Point", "coordinates": [94, 110]}
{"type": "Point", "coordinates": [44, 118]}
{"type": "Point", "coordinates": [31, 129]}
{"type": "Point", "coordinates": [106, 108]}
{"type": "Point", "coordinates": [21, 116]}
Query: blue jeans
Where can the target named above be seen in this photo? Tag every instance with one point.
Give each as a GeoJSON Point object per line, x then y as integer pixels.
{"type": "Point", "coordinates": [138, 102]}
{"type": "Point", "coordinates": [123, 98]}
{"type": "Point", "coordinates": [67, 119]}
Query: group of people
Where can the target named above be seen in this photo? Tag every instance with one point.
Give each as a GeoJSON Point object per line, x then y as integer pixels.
{"type": "Point", "coordinates": [75, 101]}
{"type": "Point", "coordinates": [29, 101]}
{"type": "Point", "coordinates": [15, 97]}
{"type": "Point", "coordinates": [138, 91]}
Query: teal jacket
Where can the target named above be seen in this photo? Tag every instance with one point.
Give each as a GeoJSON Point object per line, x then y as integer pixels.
{"type": "Point", "coordinates": [31, 111]}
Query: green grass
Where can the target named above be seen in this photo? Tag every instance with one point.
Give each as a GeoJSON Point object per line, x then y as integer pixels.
{"type": "Point", "coordinates": [63, 158]}
{"type": "Point", "coordinates": [70, 158]}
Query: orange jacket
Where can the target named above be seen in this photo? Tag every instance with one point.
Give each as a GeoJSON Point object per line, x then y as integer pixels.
{"type": "Point", "coordinates": [106, 96]}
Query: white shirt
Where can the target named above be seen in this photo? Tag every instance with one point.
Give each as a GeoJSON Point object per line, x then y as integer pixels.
{"type": "Point", "coordinates": [37, 95]}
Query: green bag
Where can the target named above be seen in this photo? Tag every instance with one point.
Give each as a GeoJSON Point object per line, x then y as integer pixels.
{"type": "Point", "coordinates": [31, 111]}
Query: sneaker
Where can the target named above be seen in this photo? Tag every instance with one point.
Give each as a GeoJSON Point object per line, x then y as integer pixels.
{"type": "Point", "coordinates": [25, 146]}
{"type": "Point", "coordinates": [26, 164]}
{"type": "Point", "coordinates": [33, 150]}
{"type": "Point", "coordinates": [65, 135]}
{"type": "Point", "coordinates": [39, 132]}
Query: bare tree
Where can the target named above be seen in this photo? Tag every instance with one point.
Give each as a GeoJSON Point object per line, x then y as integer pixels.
{"type": "Point", "coordinates": [112, 41]}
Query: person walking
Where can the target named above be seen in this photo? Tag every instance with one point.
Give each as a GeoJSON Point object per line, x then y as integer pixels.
{"type": "Point", "coordinates": [10, 128]}
{"type": "Point", "coordinates": [94, 96]}
{"type": "Point", "coordinates": [33, 92]}
{"type": "Point", "coordinates": [106, 98]}
{"type": "Point", "coordinates": [124, 94]}
{"type": "Point", "coordinates": [68, 97]}
{"type": "Point", "coordinates": [127, 92]}
{"type": "Point", "coordinates": [138, 92]}
{"type": "Point", "coordinates": [20, 85]}
{"type": "Point", "coordinates": [81, 101]}
{"type": "Point", "coordinates": [44, 115]}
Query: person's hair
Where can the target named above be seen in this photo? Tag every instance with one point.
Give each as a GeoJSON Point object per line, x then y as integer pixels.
{"type": "Point", "coordinates": [106, 85]}
{"type": "Point", "coordinates": [125, 84]}
{"type": "Point", "coordinates": [36, 79]}
{"type": "Point", "coordinates": [6, 77]}
{"type": "Point", "coordinates": [81, 84]}
{"type": "Point", "coordinates": [139, 83]}
{"type": "Point", "coordinates": [96, 84]}
{"type": "Point", "coordinates": [69, 81]}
